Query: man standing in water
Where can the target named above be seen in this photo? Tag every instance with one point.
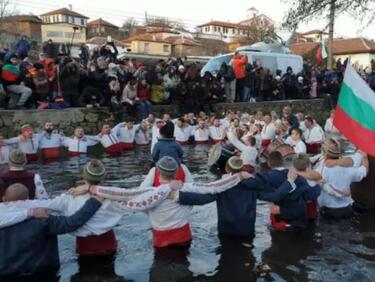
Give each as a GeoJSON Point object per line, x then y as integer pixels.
{"type": "Point", "coordinates": [29, 250]}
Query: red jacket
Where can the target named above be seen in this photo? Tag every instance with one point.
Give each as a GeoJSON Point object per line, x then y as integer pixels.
{"type": "Point", "coordinates": [239, 63]}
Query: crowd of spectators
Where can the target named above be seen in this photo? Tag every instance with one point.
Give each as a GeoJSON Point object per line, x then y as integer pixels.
{"type": "Point", "coordinates": [129, 87]}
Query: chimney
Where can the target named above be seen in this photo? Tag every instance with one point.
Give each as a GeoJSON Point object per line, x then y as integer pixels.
{"type": "Point", "coordinates": [70, 6]}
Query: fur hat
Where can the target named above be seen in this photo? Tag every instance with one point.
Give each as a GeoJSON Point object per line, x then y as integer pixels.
{"type": "Point", "coordinates": [17, 158]}
{"type": "Point", "coordinates": [167, 165]}
{"type": "Point", "coordinates": [332, 148]}
{"type": "Point", "coordinates": [94, 171]}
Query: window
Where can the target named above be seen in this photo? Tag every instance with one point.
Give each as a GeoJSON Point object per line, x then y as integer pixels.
{"type": "Point", "coordinates": [64, 19]}
{"type": "Point", "coordinates": [146, 47]}
{"type": "Point", "coordinates": [233, 31]}
{"type": "Point", "coordinates": [102, 29]}
{"type": "Point", "coordinates": [208, 29]}
{"type": "Point", "coordinates": [215, 28]}
{"type": "Point", "coordinates": [166, 48]}
{"type": "Point", "coordinates": [82, 22]}
{"type": "Point", "coordinates": [71, 19]}
{"type": "Point", "coordinates": [219, 29]}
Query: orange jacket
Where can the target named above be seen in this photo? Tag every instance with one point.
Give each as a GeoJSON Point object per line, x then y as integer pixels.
{"type": "Point", "coordinates": [239, 63]}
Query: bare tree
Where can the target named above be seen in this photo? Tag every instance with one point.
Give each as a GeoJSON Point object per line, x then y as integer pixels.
{"type": "Point", "coordinates": [307, 10]}
{"type": "Point", "coordinates": [128, 26]}
{"type": "Point", "coordinates": [258, 31]}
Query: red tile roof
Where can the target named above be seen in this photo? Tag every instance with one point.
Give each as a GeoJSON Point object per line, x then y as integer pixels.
{"type": "Point", "coordinates": [314, 31]}
{"type": "Point", "coordinates": [65, 11]}
{"type": "Point", "coordinates": [222, 24]}
{"type": "Point", "coordinates": [353, 46]}
{"type": "Point", "coordinates": [22, 18]}
{"type": "Point", "coordinates": [155, 37]}
{"type": "Point", "coordinates": [304, 48]}
{"type": "Point", "coordinates": [340, 46]}
{"type": "Point", "coordinates": [178, 40]}
{"type": "Point", "coordinates": [100, 21]}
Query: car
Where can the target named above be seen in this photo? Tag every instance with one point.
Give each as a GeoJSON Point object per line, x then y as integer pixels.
{"type": "Point", "coordinates": [264, 55]}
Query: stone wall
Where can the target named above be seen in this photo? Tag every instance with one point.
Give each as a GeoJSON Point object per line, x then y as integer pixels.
{"type": "Point", "coordinates": [92, 119]}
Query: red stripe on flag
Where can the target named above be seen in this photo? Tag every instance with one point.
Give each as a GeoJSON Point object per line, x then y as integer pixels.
{"type": "Point", "coordinates": [361, 137]}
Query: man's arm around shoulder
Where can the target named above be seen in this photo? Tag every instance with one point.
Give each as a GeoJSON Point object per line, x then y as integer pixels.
{"type": "Point", "coordinates": [66, 224]}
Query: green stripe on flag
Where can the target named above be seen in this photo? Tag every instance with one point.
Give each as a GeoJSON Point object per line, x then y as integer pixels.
{"type": "Point", "coordinates": [356, 108]}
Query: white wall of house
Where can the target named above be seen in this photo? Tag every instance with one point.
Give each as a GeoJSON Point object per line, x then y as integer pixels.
{"type": "Point", "coordinates": [221, 33]}
{"type": "Point", "coordinates": [361, 61]}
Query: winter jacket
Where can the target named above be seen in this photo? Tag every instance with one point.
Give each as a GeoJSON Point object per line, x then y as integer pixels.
{"type": "Point", "coordinates": [31, 246]}
{"type": "Point", "coordinates": [167, 147]}
{"type": "Point", "coordinates": [236, 208]}
{"type": "Point", "coordinates": [293, 207]}
{"type": "Point", "coordinates": [239, 63]}
{"type": "Point", "coordinates": [23, 47]}
{"type": "Point", "coordinates": [10, 74]}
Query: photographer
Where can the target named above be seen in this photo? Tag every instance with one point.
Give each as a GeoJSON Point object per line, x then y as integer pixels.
{"type": "Point", "coordinates": [109, 50]}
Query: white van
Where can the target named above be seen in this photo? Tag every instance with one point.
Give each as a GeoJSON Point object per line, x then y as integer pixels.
{"type": "Point", "coordinates": [269, 60]}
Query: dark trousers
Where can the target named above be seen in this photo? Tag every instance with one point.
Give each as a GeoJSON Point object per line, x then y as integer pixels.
{"type": "Point", "coordinates": [339, 213]}
{"type": "Point", "coordinates": [240, 83]}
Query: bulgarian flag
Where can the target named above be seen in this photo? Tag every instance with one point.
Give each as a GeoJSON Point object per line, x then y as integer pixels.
{"type": "Point", "coordinates": [355, 111]}
{"type": "Point", "coordinates": [321, 52]}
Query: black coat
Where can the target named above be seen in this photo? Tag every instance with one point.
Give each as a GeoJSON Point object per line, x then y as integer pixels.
{"type": "Point", "coordinates": [31, 246]}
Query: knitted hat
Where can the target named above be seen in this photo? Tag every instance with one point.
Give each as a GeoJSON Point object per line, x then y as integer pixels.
{"type": "Point", "coordinates": [235, 163]}
{"type": "Point", "coordinates": [301, 162]}
{"type": "Point", "coordinates": [167, 165]}
{"type": "Point", "coordinates": [332, 148]}
{"type": "Point", "coordinates": [94, 171]}
{"type": "Point", "coordinates": [17, 158]}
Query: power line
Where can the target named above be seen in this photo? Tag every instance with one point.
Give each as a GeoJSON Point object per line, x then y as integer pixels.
{"type": "Point", "coordinates": [117, 15]}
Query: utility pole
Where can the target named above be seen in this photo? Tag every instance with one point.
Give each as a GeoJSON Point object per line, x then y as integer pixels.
{"type": "Point", "coordinates": [331, 24]}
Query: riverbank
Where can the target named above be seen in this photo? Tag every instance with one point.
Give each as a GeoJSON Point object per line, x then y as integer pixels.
{"type": "Point", "coordinates": [92, 119]}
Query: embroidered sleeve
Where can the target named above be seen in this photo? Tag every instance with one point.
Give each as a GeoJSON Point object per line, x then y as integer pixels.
{"type": "Point", "coordinates": [140, 199]}
{"type": "Point", "coordinates": [215, 187]}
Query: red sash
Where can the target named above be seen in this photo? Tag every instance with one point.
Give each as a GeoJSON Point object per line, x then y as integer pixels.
{"type": "Point", "coordinates": [74, 154]}
{"type": "Point", "coordinates": [216, 141]}
{"type": "Point", "coordinates": [51, 153]}
{"type": "Point", "coordinates": [312, 210]}
{"type": "Point", "coordinates": [278, 225]}
{"type": "Point", "coordinates": [141, 145]}
{"type": "Point", "coordinates": [32, 157]}
{"type": "Point", "coordinates": [201, 142]}
{"type": "Point", "coordinates": [183, 142]}
{"type": "Point", "coordinates": [97, 244]}
{"type": "Point", "coordinates": [127, 146]}
{"type": "Point", "coordinates": [266, 142]}
{"type": "Point", "coordinates": [114, 150]}
{"type": "Point", "coordinates": [313, 148]}
{"type": "Point", "coordinates": [177, 236]}
{"type": "Point", "coordinates": [248, 168]}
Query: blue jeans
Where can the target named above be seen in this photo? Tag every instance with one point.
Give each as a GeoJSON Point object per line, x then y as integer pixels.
{"type": "Point", "coordinates": [246, 95]}
{"type": "Point", "coordinates": [145, 108]}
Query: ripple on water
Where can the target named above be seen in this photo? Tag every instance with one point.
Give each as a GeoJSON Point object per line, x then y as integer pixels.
{"type": "Point", "coordinates": [345, 251]}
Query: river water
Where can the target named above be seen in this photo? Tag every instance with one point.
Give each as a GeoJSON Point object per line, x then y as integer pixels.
{"type": "Point", "coordinates": [330, 251]}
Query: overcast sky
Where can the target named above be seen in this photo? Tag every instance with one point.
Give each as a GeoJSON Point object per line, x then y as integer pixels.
{"type": "Point", "coordinates": [190, 12]}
